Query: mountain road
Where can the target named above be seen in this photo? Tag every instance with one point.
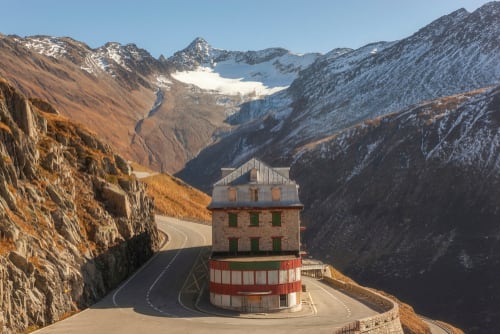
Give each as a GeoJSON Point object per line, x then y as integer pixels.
{"type": "Point", "coordinates": [150, 300]}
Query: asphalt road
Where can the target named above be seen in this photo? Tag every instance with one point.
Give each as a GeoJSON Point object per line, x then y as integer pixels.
{"type": "Point", "coordinates": [149, 302]}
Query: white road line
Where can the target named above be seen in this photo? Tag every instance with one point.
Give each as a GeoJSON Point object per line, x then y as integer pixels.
{"type": "Point", "coordinates": [348, 310]}
{"type": "Point", "coordinates": [194, 264]}
{"type": "Point", "coordinates": [115, 303]}
{"type": "Point", "coordinates": [312, 304]}
{"type": "Point", "coordinates": [148, 300]}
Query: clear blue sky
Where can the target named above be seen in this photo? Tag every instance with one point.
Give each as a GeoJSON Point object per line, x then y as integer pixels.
{"type": "Point", "coordinates": [166, 26]}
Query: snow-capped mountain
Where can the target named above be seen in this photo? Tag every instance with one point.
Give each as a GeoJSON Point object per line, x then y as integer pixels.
{"type": "Point", "coordinates": [112, 58]}
{"type": "Point", "coordinates": [456, 53]}
{"type": "Point", "coordinates": [138, 84]}
{"type": "Point", "coordinates": [255, 73]}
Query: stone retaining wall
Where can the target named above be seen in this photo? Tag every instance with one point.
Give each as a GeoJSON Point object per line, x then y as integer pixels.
{"type": "Point", "coordinates": [383, 323]}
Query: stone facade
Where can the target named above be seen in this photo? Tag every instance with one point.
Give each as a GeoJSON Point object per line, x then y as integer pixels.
{"type": "Point", "coordinates": [255, 263]}
{"type": "Point", "coordinates": [288, 231]}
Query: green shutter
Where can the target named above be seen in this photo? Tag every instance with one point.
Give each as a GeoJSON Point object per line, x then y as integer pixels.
{"type": "Point", "coordinates": [254, 219]}
{"type": "Point", "coordinates": [233, 245]}
{"type": "Point", "coordinates": [276, 244]}
{"type": "Point", "coordinates": [233, 219]}
{"type": "Point", "coordinates": [254, 245]}
{"type": "Point", "coordinates": [276, 218]}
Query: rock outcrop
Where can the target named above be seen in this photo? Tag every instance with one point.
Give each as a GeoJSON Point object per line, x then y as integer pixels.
{"type": "Point", "coordinates": [73, 222]}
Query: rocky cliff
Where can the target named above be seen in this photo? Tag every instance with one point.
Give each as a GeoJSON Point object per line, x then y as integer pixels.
{"type": "Point", "coordinates": [73, 222]}
{"type": "Point", "coordinates": [410, 203]}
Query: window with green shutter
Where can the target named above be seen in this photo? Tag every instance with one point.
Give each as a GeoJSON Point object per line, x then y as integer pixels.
{"type": "Point", "coordinates": [233, 245]}
{"type": "Point", "coordinates": [254, 245]}
{"type": "Point", "coordinates": [254, 219]}
{"type": "Point", "coordinates": [276, 218]}
{"type": "Point", "coordinates": [277, 244]}
{"type": "Point", "coordinates": [233, 219]}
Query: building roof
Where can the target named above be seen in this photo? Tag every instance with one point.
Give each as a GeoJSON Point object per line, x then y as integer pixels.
{"type": "Point", "coordinates": [265, 174]}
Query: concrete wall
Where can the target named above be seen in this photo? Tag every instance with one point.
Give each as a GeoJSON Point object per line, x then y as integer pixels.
{"type": "Point", "coordinates": [289, 230]}
{"type": "Point", "coordinates": [383, 323]}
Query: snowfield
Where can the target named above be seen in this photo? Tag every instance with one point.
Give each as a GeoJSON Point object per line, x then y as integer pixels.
{"type": "Point", "coordinates": [207, 79]}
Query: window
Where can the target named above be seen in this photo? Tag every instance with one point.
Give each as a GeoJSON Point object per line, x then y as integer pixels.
{"type": "Point", "coordinates": [272, 277]}
{"type": "Point", "coordinates": [226, 277]}
{"type": "Point", "coordinates": [254, 219]}
{"type": "Point", "coordinates": [231, 194]}
{"type": "Point", "coordinates": [217, 276]}
{"type": "Point", "coordinates": [291, 275]}
{"type": "Point", "coordinates": [261, 277]}
{"type": "Point", "coordinates": [254, 245]}
{"type": "Point", "coordinates": [276, 218]}
{"type": "Point", "coordinates": [276, 244]}
{"type": "Point", "coordinates": [233, 245]}
{"type": "Point", "coordinates": [254, 194]}
{"type": "Point", "coordinates": [283, 276]}
{"type": "Point", "coordinates": [233, 219]}
{"type": "Point", "coordinates": [254, 175]}
{"type": "Point", "coordinates": [248, 278]}
{"type": "Point", "coordinates": [283, 301]}
{"type": "Point", "coordinates": [276, 194]}
{"type": "Point", "coordinates": [236, 277]}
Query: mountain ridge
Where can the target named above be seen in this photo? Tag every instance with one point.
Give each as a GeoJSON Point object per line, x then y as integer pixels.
{"type": "Point", "coordinates": [122, 82]}
{"type": "Point", "coordinates": [341, 89]}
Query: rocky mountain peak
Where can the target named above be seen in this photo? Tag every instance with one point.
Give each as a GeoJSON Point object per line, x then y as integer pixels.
{"type": "Point", "coordinates": [197, 53]}
{"type": "Point", "coordinates": [490, 9]}
{"type": "Point", "coordinates": [199, 45]}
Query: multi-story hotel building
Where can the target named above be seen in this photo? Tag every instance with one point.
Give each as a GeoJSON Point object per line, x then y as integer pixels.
{"type": "Point", "coordinates": [255, 262]}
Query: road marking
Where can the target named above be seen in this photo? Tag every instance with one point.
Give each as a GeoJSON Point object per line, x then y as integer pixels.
{"type": "Point", "coordinates": [148, 300]}
{"type": "Point", "coordinates": [348, 310]}
{"type": "Point", "coordinates": [189, 274]}
{"type": "Point", "coordinates": [312, 303]}
{"type": "Point", "coordinates": [115, 303]}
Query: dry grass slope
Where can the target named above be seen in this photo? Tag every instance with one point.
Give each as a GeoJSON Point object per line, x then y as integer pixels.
{"type": "Point", "coordinates": [175, 198]}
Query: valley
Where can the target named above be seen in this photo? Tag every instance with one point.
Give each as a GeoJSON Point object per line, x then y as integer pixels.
{"type": "Point", "coordinates": [395, 146]}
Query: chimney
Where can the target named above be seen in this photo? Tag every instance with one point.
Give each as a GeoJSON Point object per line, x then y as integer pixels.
{"type": "Point", "coordinates": [226, 171]}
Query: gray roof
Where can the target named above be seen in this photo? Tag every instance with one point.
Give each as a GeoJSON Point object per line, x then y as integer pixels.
{"type": "Point", "coordinates": [267, 175]}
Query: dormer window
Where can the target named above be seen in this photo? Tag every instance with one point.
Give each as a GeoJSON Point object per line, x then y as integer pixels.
{"type": "Point", "coordinates": [254, 175]}
{"type": "Point", "coordinates": [232, 194]}
{"type": "Point", "coordinates": [254, 194]}
{"type": "Point", "coordinates": [276, 194]}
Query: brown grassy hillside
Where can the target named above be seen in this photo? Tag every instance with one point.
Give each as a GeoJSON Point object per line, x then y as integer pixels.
{"type": "Point", "coordinates": [175, 198]}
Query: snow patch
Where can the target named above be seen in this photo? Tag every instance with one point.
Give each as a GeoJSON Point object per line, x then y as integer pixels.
{"type": "Point", "coordinates": [205, 78]}
{"type": "Point", "coordinates": [465, 260]}
{"type": "Point", "coordinates": [48, 46]}
{"type": "Point", "coordinates": [370, 148]}
{"type": "Point", "coordinates": [163, 81]}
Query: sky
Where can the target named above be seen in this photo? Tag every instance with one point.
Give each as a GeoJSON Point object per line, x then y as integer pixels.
{"type": "Point", "coordinates": [167, 26]}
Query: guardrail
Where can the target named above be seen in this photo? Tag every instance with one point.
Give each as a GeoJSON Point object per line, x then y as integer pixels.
{"type": "Point", "coordinates": [445, 328]}
{"type": "Point", "coordinates": [386, 322]}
